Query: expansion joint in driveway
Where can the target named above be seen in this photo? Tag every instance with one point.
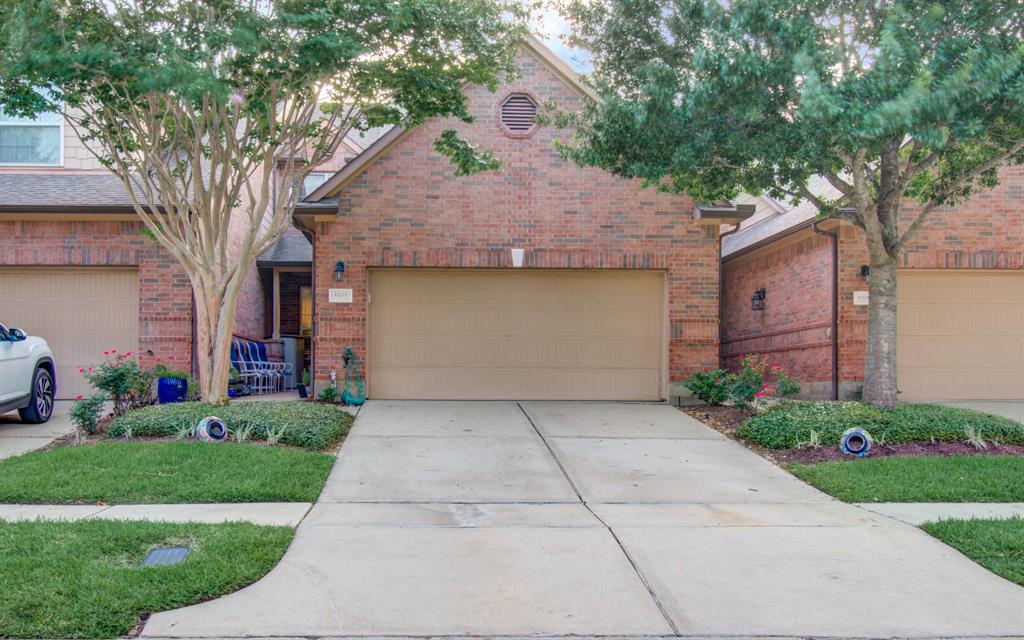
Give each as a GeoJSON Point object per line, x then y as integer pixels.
{"type": "Point", "coordinates": [579, 496]}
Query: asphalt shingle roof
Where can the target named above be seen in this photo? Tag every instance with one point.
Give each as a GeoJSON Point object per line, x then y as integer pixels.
{"type": "Point", "coordinates": [62, 190]}
{"type": "Point", "coordinates": [796, 213]}
{"type": "Point", "coordinates": [291, 249]}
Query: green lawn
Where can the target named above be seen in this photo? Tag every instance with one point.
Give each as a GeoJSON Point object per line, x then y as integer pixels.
{"type": "Point", "coordinates": [980, 478]}
{"type": "Point", "coordinates": [81, 579]}
{"type": "Point", "coordinates": [997, 545]}
{"type": "Point", "coordinates": [163, 472]}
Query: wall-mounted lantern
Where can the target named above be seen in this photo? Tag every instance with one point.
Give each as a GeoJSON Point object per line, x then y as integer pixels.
{"type": "Point", "coordinates": [865, 272]}
{"type": "Point", "coordinates": [339, 270]}
{"type": "Point", "coordinates": [757, 300]}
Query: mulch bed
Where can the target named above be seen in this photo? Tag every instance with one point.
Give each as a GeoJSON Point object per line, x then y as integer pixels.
{"type": "Point", "coordinates": [721, 418]}
{"type": "Point", "coordinates": [728, 419]}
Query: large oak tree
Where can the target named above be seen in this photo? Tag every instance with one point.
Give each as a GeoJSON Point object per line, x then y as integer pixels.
{"type": "Point", "coordinates": [196, 105]}
{"type": "Point", "coordinates": [889, 100]}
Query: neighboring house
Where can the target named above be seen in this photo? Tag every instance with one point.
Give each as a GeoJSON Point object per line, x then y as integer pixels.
{"type": "Point", "coordinates": [540, 280]}
{"type": "Point", "coordinates": [960, 291]}
{"type": "Point", "coordinates": [75, 267]}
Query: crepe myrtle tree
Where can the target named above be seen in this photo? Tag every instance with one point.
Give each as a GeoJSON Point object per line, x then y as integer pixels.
{"type": "Point", "coordinates": [903, 106]}
{"type": "Point", "coordinates": [196, 106]}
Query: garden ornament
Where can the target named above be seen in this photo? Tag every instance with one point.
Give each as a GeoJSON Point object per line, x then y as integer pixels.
{"type": "Point", "coordinates": [855, 441]}
{"type": "Point", "coordinates": [210, 429]}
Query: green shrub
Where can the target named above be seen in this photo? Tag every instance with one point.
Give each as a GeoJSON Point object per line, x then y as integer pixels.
{"type": "Point", "coordinates": [298, 424]}
{"type": "Point", "coordinates": [120, 377]}
{"type": "Point", "coordinates": [85, 413]}
{"type": "Point", "coordinates": [710, 387]}
{"type": "Point", "coordinates": [328, 394]}
{"type": "Point", "coordinates": [162, 371]}
{"type": "Point", "coordinates": [747, 386]}
{"type": "Point", "coordinates": [789, 423]}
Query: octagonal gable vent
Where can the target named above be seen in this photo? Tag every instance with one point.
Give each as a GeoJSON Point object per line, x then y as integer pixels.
{"type": "Point", "coordinates": [519, 113]}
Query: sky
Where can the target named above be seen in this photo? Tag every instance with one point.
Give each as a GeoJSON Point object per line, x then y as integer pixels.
{"type": "Point", "coordinates": [551, 28]}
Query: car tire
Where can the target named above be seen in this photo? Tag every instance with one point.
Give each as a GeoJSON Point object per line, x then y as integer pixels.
{"type": "Point", "coordinates": [40, 405]}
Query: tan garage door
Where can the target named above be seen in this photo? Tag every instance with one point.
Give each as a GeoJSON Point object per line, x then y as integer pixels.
{"type": "Point", "coordinates": [81, 312]}
{"type": "Point", "coordinates": [961, 335]}
{"type": "Point", "coordinates": [516, 334]}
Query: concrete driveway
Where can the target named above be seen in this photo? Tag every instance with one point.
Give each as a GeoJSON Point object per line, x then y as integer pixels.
{"type": "Point", "coordinates": [16, 437]}
{"type": "Point", "coordinates": [558, 519]}
{"type": "Point", "coordinates": [1012, 409]}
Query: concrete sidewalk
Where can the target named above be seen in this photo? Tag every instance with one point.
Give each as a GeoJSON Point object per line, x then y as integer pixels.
{"type": "Point", "coordinates": [288, 514]}
{"type": "Point", "coordinates": [590, 519]}
{"type": "Point", "coordinates": [916, 513]}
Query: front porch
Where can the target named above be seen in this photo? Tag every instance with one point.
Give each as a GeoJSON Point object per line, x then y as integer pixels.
{"type": "Point", "coordinates": [286, 273]}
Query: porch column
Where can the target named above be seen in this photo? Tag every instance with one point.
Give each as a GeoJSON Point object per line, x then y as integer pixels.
{"type": "Point", "coordinates": [277, 304]}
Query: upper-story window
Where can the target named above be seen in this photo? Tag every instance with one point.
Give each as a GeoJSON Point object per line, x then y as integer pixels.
{"type": "Point", "coordinates": [35, 141]}
{"type": "Point", "coordinates": [311, 182]}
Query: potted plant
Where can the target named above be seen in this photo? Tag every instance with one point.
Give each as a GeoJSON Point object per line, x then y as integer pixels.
{"type": "Point", "coordinates": [304, 390]}
{"type": "Point", "coordinates": [171, 384]}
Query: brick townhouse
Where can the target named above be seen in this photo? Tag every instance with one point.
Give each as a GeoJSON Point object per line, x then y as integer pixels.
{"type": "Point", "coordinates": [76, 269]}
{"type": "Point", "coordinates": [960, 290]}
{"type": "Point", "coordinates": [541, 280]}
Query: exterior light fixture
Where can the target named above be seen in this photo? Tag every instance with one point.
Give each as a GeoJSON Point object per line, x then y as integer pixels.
{"type": "Point", "coordinates": [757, 300]}
{"type": "Point", "coordinates": [517, 258]}
{"type": "Point", "coordinates": [339, 270]}
{"type": "Point", "coordinates": [865, 272]}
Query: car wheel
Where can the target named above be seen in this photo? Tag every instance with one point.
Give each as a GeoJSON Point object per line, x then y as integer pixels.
{"type": "Point", "coordinates": [40, 406]}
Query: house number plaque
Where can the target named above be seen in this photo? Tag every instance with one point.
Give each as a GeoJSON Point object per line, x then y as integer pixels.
{"type": "Point", "coordinates": [339, 296]}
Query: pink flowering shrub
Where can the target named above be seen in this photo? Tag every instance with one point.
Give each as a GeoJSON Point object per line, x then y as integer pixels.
{"type": "Point", "coordinates": [757, 380]}
{"type": "Point", "coordinates": [126, 384]}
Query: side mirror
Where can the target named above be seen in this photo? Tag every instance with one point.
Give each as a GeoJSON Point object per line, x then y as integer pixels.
{"type": "Point", "coordinates": [16, 335]}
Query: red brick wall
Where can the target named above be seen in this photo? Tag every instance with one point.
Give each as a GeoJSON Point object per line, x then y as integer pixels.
{"type": "Point", "coordinates": [794, 327]}
{"type": "Point", "coordinates": [408, 209]}
{"type": "Point", "coordinates": [985, 232]}
{"type": "Point", "coordinates": [165, 294]}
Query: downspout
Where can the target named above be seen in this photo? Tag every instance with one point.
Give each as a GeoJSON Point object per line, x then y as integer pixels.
{"type": "Point", "coordinates": [835, 306]}
{"type": "Point", "coordinates": [721, 282]}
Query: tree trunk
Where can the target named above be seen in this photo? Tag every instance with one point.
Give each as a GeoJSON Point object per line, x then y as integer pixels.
{"type": "Point", "coordinates": [215, 321]}
{"type": "Point", "coordinates": [880, 369]}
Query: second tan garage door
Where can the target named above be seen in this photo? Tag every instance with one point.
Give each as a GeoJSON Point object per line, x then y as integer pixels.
{"type": "Point", "coordinates": [516, 334]}
{"type": "Point", "coordinates": [960, 335]}
{"type": "Point", "coordinates": [81, 312]}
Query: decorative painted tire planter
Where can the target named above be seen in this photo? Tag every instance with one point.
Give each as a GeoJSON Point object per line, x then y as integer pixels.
{"type": "Point", "coordinates": [170, 390]}
{"type": "Point", "coordinates": [856, 442]}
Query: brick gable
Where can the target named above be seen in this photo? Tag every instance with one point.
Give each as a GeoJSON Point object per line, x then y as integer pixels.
{"type": "Point", "coordinates": [407, 209]}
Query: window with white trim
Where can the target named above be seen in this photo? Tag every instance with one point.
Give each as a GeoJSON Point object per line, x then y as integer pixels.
{"type": "Point", "coordinates": [35, 141]}
{"type": "Point", "coordinates": [311, 182]}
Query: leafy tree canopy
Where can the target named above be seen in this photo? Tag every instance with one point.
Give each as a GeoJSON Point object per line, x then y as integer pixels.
{"type": "Point", "coordinates": [369, 63]}
{"type": "Point", "coordinates": [710, 97]}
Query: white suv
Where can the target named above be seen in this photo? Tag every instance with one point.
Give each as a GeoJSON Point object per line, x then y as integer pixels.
{"type": "Point", "coordinates": [27, 381]}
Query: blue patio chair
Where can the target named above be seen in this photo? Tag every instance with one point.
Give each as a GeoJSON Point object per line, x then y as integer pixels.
{"type": "Point", "coordinates": [247, 369]}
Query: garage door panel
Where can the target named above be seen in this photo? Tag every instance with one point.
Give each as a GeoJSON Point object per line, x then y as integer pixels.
{"type": "Point", "coordinates": [960, 335]}
{"type": "Point", "coordinates": [512, 383]}
{"type": "Point", "coordinates": [515, 334]}
{"type": "Point", "coordinates": [81, 312]}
